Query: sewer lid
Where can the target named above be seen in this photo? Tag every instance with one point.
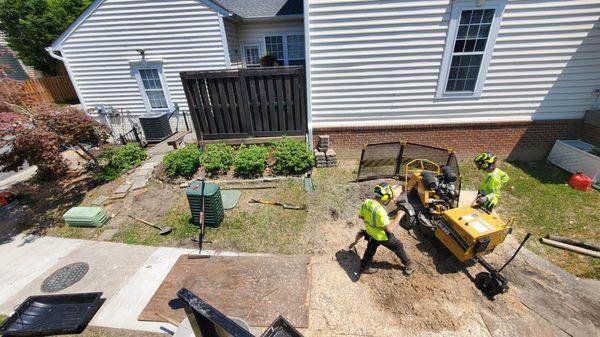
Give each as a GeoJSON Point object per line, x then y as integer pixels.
{"type": "Point", "coordinates": [65, 277]}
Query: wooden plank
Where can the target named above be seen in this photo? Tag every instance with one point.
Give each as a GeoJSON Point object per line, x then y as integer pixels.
{"type": "Point", "coordinates": [225, 105]}
{"type": "Point", "coordinates": [280, 106]}
{"type": "Point", "coordinates": [237, 286]}
{"type": "Point", "coordinates": [233, 104]}
{"type": "Point", "coordinates": [273, 123]}
{"type": "Point", "coordinates": [208, 109]}
{"type": "Point", "coordinates": [288, 104]}
{"type": "Point", "coordinates": [297, 105]}
{"type": "Point", "coordinates": [262, 94]}
{"type": "Point", "coordinates": [216, 105]}
{"type": "Point", "coordinates": [192, 94]}
{"type": "Point", "coordinates": [243, 103]}
{"type": "Point", "coordinates": [255, 105]}
{"type": "Point", "coordinates": [201, 108]}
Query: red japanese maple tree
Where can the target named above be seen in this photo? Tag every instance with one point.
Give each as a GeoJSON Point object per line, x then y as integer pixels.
{"type": "Point", "coordinates": [36, 133]}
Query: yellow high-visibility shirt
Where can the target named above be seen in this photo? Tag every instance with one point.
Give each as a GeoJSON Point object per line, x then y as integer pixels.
{"type": "Point", "coordinates": [376, 218]}
{"type": "Point", "coordinates": [492, 183]}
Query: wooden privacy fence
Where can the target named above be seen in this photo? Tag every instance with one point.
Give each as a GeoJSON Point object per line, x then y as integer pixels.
{"type": "Point", "coordinates": [255, 102]}
{"type": "Point", "coordinates": [57, 89]}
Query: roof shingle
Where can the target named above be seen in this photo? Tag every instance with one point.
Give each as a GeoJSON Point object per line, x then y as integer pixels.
{"type": "Point", "coordinates": [262, 8]}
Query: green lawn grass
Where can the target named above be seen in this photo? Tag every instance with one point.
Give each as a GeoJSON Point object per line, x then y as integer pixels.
{"type": "Point", "coordinates": [542, 203]}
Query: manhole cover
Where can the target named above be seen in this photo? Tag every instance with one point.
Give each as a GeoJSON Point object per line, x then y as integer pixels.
{"type": "Point", "coordinates": [65, 277]}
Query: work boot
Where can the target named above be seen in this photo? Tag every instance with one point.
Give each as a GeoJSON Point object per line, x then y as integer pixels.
{"type": "Point", "coordinates": [366, 270]}
{"type": "Point", "coordinates": [410, 267]}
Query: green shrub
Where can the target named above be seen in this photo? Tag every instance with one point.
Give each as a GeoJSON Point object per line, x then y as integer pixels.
{"type": "Point", "coordinates": [114, 161]}
{"type": "Point", "coordinates": [250, 161]}
{"type": "Point", "coordinates": [217, 158]}
{"type": "Point", "coordinates": [183, 162]}
{"type": "Point", "coordinates": [292, 157]}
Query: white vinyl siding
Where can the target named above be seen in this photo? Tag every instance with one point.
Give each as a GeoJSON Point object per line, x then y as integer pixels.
{"type": "Point", "coordinates": [182, 34]}
{"type": "Point", "coordinates": [254, 33]}
{"type": "Point", "coordinates": [374, 63]}
{"type": "Point", "coordinates": [233, 42]}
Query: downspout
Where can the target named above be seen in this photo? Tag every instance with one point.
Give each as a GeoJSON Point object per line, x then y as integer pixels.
{"type": "Point", "coordinates": [307, 75]}
{"type": "Point", "coordinates": [53, 54]}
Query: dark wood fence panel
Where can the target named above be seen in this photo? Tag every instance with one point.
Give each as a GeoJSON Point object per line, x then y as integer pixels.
{"type": "Point", "coordinates": [255, 102]}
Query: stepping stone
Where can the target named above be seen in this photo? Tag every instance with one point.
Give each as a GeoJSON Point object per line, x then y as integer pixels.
{"type": "Point", "coordinates": [143, 172]}
{"type": "Point", "coordinates": [149, 165]}
{"type": "Point", "coordinates": [107, 234]}
{"type": "Point", "coordinates": [139, 182]}
{"type": "Point", "coordinates": [121, 191]}
{"type": "Point", "coordinates": [99, 201]}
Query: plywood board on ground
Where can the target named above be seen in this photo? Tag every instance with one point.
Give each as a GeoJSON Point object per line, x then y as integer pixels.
{"type": "Point", "coordinates": [254, 288]}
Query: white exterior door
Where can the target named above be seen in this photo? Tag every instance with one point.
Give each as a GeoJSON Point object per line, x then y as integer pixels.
{"type": "Point", "coordinates": [251, 54]}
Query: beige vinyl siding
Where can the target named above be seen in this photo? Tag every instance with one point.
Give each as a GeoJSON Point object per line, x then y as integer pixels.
{"type": "Point", "coordinates": [377, 63]}
{"type": "Point", "coordinates": [255, 32]}
{"type": "Point", "coordinates": [183, 34]}
{"type": "Point", "coordinates": [233, 42]}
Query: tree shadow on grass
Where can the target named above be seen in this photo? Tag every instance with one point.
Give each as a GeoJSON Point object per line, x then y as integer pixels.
{"type": "Point", "coordinates": [41, 205]}
{"type": "Point", "coordinates": [543, 171]}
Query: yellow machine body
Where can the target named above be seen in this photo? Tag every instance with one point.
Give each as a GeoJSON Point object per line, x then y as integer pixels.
{"type": "Point", "coordinates": [468, 232]}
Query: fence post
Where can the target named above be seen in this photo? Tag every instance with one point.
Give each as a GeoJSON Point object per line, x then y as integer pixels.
{"type": "Point", "coordinates": [123, 140]}
{"type": "Point", "coordinates": [137, 136]}
{"type": "Point", "coordinates": [187, 126]}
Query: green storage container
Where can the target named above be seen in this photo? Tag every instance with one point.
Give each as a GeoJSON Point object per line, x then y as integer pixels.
{"type": "Point", "coordinates": [86, 217]}
{"type": "Point", "coordinates": [213, 205]}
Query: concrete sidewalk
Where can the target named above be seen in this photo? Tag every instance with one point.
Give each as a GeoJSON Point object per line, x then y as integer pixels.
{"type": "Point", "coordinates": [127, 275]}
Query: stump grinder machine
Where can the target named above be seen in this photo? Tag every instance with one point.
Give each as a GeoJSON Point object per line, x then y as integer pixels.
{"type": "Point", "coordinates": [430, 201]}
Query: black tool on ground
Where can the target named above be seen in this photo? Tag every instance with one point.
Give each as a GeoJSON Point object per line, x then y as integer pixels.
{"type": "Point", "coordinates": [201, 226]}
{"type": "Point", "coordinates": [163, 230]}
{"type": "Point", "coordinates": [208, 321]}
{"type": "Point", "coordinates": [275, 203]}
{"type": "Point", "coordinates": [492, 283]}
{"type": "Point", "coordinates": [52, 315]}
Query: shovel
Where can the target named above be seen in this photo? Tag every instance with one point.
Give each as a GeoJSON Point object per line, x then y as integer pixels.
{"type": "Point", "coordinates": [285, 206]}
{"type": "Point", "coordinates": [163, 231]}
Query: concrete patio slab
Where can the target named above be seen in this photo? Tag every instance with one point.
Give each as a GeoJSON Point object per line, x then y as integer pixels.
{"type": "Point", "coordinates": [123, 309]}
{"type": "Point", "coordinates": [110, 266]}
{"type": "Point", "coordinates": [24, 259]}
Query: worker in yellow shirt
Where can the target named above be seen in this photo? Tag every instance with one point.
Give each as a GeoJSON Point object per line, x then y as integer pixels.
{"type": "Point", "coordinates": [493, 180]}
{"type": "Point", "coordinates": [379, 228]}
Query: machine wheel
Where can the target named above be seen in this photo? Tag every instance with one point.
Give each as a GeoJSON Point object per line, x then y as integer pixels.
{"type": "Point", "coordinates": [425, 225]}
{"type": "Point", "coordinates": [408, 222]}
{"type": "Point", "coordinates": [488, 285]}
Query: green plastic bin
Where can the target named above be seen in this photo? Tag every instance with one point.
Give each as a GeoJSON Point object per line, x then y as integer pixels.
{"type": "Point", "coordinates": [86, 217]}
{"type": "Point", "coordinates": [213, 205]}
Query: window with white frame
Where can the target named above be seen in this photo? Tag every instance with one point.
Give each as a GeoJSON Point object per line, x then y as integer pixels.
{"type": "Point", "coordinates": [274, 46]}
{"type": "Point", "coordinates": [287, 48]}
{"type": "Point", "coordinates": [472, 34]}
{"type": "Point", "coordinates": [295, 49]}
{"type": "Point", "coordinates": [152, 86]}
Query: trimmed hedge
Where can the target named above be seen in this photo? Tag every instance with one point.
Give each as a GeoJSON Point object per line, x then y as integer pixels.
{"type": "Point", "coordinates": [114, 161]}
{"type": "Point", "coordinates": [183, 162]}
{"type": "Point", "coordinates": [292, 157]}
{"type": "Point", "coordinates": [217, 158]}
{"type": "Point", "coordinates": [251, 161]}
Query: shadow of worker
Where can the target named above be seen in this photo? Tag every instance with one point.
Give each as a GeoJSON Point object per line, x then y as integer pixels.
{"type": "Point", "coordinates": [350, 262]}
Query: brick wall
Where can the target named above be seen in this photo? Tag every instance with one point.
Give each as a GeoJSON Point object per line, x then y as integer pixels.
{"type": "Point", "coordinates": [590, 134]}
{"type": "Point", "coordinates": [515, 140]}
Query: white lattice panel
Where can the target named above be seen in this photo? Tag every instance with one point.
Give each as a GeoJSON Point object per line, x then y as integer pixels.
{"type": "Point", "coordinates": [569, 156]}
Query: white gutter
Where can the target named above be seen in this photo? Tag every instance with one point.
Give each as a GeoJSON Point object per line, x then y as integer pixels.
{"type": "Point", "coordinates": [63, 59]}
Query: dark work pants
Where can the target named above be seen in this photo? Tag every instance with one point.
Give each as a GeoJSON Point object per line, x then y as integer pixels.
{"type": "Point", "coordinates": [392, 244]}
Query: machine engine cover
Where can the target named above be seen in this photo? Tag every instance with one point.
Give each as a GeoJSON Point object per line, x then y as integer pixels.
{"type": "Point", "coordinates": [468, 232]}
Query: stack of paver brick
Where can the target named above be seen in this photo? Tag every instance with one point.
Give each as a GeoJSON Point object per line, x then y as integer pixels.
{"type": "Point", "coordinates": [324, 155]}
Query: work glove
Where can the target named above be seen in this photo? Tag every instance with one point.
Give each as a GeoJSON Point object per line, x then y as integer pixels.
{"type": "Point", "coordinates": [481, 200]}
{"type": "Point", "coordinates": [482, 192]}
